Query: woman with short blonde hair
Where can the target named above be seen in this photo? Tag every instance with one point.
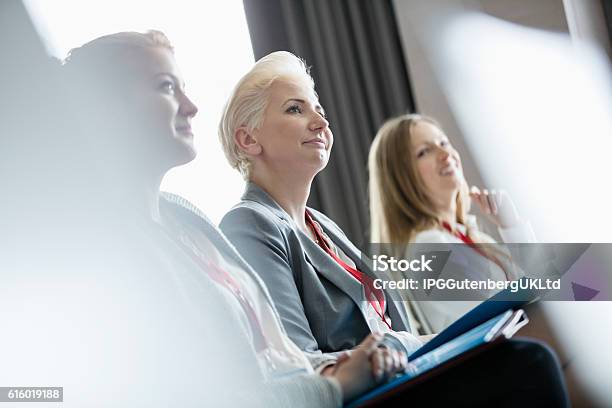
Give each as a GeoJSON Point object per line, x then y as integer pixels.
{"type": "Point", "coordinates": [248, 101]}
{"type": "Point", "coordinates": [275, 132]}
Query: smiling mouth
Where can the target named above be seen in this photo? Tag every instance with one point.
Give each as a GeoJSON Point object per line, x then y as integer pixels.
{"type": "Point", "coordinates": [449, 170]}
{"type": "Point", "coordinates": [316, 142]}
{"type": "Point", "coordinates": [186, 130]}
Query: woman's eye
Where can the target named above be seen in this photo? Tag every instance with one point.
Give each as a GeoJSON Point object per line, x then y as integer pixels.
{"type": "Point", "coordinates": [168, 87]}
{"type": "Point", "coordinates": [422, 152]}
{"type": "Point", "coordinates": [294, 109]}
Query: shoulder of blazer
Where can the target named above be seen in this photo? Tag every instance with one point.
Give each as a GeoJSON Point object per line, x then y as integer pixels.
{"type": "Point", "coordinates": [258, 207]}
{"type": "Point", "coordinates": [253, 214]}
{"type": "Point", "coordinates": [261, 199]}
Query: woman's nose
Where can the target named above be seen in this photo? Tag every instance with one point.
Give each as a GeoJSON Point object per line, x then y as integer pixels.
{"type": "Point", "coordinates": [187, 107]}
{"type": "Point", "coordinates": [318, 122]}
{"type": "Point", "coordinates": [443, 154]}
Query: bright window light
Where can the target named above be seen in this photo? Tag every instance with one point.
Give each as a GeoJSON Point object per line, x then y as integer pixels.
{"type": "Point", "coordinates": [213, 50]}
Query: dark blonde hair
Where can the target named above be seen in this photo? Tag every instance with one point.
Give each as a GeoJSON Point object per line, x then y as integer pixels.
{"type": "Point", "coordinates": [101, 48]}
{"type": "Point", "coordinates": [399, 204]}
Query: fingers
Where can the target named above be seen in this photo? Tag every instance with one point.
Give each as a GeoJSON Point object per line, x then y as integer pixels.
{"type": "Point", "coordinates": [492, 198]}
{"type": "Point", "coordinates": [386, 363]}
{"type": "Point", "coordinates": [377, 360]}
{"type": "Point", "coordinates": [371, 343]}
{"type": "Point", "coordinates": [343, 357]}
{"type": "Point", "coordinates": [478, 197]}
{"type": "Point", "coordinates": [488, 201]}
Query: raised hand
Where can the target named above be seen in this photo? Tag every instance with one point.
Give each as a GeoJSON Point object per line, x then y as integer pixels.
{"type": "Point", "coordinates": [496, 205]}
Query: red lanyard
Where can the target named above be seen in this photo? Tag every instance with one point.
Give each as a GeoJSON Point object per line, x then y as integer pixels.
{"type": "Point", "coordinates": [467, 240]}
{"type": "Point", "coordinates": [225, 279]}
{"type": "Point", "coordinates": [376, 297]}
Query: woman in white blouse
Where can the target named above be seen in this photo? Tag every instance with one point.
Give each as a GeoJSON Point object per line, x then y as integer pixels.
{"type": "Point", "coordinates": [419, 195]}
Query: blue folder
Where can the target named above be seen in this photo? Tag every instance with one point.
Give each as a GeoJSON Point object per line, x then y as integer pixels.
{"type": "Point", "coordinates": [505, 324]}
{"type": "Point", "coordinates": [501, 302]}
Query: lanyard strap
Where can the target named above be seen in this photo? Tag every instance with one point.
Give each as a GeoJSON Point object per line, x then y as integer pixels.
{"type": "Point", "coordinates": [222, 277]}
{"type": "Point", "coordinates": [470, 242]}
{"type": "Point", "coordinates": [226, 280]}
{"type": "Point", "coordinates": [375, 297]}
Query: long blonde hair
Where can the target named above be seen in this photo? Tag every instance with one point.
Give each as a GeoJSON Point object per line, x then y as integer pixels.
{"type": "Point", "coordinates": [399, 204]}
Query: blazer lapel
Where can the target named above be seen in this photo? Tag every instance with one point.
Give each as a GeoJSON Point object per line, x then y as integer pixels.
{"type": "Point", "coordinates": [325, 266]}
{"type": "Point", "coordinates": [322, 263]}
{"type": "Point", "coordinates": [395, 307]}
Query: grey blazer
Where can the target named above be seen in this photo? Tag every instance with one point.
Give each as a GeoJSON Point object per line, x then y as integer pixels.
{"type": "Point", "coordinates": [321, 306]}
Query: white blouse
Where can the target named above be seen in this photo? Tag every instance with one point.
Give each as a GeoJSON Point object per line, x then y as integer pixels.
{"type": "Point", "coordinates": [435, 316]}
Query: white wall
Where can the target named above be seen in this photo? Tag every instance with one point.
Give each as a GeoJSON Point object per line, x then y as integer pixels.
{"type": "Point", "coordinates": [420, 25]}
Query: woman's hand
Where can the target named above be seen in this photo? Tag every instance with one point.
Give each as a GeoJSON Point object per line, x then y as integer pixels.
{"type": "Point", "coordinates": [365, 366]}
{"type": "Point", "coordinates": [387, 362]}
{"type": "Point", "coordinates": [497, 206]}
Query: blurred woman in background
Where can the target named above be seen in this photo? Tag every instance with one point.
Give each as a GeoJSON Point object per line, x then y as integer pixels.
{"type": "Point", "coordinates": [419, 195]}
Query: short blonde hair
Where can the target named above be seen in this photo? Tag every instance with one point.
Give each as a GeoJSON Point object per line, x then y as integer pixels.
{"type": "Point", "coordinates": [249, 99]}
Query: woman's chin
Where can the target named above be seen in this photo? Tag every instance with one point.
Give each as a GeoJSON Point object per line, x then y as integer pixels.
{"type": "Point", "coordinates": [190, 155]}
{"type": "Point", "coordinates": [453, 181]}
{"type": "Point", "coordinates": [185, 154]}
{"type": "Point", "coordinates": [447, 189]}
{"type": "Point", "coordinates": [321, 161]}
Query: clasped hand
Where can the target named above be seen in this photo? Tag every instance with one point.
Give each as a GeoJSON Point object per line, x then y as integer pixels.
{"type": "Point", "coordinates": [365, 366]}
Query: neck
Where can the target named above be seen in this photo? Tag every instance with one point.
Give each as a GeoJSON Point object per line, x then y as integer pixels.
{"type": "Point", "coordinates": [139, 200]}
{"type": "Point", "coordinates": [289, 191]}
{"type": "Point", "coordinates": [128, 197]}
{"type": "Point", "coordinates": [447, 211]}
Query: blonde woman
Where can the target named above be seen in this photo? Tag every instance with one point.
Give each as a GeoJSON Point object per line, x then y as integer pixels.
{"type": "Point", "coordinates": [418, 194]}
{"type": "Point", "coordinates": [274, 131]}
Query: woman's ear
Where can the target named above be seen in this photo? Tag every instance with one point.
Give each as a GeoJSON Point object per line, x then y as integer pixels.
{"type": "Point", "coordinates": [247, 142]}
